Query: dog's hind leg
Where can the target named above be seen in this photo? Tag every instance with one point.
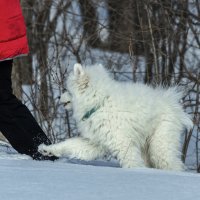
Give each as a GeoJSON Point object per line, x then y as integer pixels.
{"type": "Point", "coordinates": [164, 147]}
{"type": "Point", "coordinates": [78, 147]}
{"type": "Point", "coordinates": [128, 153]}
{"type": "Point", "coordinates": [130, 157]}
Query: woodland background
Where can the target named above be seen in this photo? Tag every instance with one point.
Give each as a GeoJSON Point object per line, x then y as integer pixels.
{"type": "Point", "coordinates": [150, 41]}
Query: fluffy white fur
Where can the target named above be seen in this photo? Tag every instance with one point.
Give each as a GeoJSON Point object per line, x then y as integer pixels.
{"type": "Point", "coordinates": [139, 125]}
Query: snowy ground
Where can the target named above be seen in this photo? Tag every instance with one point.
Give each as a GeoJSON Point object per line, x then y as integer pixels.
{"type": "Point", "coordinates": [25, 179]}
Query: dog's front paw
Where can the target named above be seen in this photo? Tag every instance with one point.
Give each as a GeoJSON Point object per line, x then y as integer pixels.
{"type": "Point", "coordinates": [44, 150]}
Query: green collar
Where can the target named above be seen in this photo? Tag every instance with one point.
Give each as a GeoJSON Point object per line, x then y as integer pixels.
{"type": "Point", "coordinates": [90, 112]}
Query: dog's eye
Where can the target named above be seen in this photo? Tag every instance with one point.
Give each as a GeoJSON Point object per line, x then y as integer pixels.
{"type": "Point", "coordinates": [67, 103]}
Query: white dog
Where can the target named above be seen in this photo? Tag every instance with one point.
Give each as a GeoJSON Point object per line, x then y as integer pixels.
{"type": "Point", "coordinates": [139, 125]}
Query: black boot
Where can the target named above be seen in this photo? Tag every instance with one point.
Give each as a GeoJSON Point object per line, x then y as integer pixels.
{"type": "Point", "coordinates": [16, 122]}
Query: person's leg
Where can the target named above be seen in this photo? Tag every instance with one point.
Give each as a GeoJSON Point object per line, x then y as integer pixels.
{"type": "Point", "coordinates": [16, 121]}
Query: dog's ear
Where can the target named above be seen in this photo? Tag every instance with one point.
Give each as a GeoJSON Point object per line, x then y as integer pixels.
{"type": "Point", "coordinates": [78, 70]}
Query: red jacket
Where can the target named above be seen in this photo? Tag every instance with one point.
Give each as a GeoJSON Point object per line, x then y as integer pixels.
{"type": "Point", "coordinates": [13, 40]}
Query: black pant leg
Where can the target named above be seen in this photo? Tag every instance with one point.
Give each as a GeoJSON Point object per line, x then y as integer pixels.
{"type": "Point", "coordinates": [16, 121]}
{"type": "Point", "coordinates": [17, 136]}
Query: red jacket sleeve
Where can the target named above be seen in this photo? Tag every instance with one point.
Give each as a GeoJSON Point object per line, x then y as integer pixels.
{"type": "Point", "coordinates": [13, 40]}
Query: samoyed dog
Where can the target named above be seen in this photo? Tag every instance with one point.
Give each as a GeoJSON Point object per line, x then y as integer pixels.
{"type": "Point", "coordinates": [137, 124]}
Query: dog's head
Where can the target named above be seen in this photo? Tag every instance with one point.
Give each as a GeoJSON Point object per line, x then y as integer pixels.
{"type": "Point", "coordinates": [88, 85]}
{"type": "Point", "coordinates": [86, 79]}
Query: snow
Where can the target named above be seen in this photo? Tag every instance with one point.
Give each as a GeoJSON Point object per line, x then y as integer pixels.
{"type": "Point", "coordinates": [25, 179]}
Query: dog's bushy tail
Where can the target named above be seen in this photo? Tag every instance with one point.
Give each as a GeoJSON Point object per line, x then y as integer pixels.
{"type": "Point", "coordinates": [175, 95]}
